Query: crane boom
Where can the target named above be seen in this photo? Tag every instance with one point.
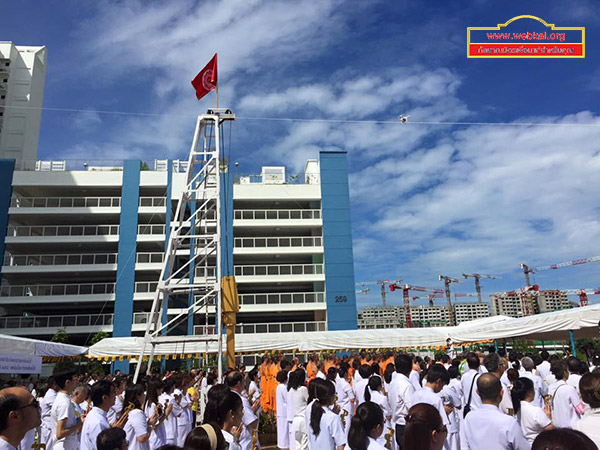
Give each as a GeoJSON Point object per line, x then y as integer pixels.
{"type": "Point", "coordinates": [477, 277]}
{"type": "Point", "coordinates": [575, 262]}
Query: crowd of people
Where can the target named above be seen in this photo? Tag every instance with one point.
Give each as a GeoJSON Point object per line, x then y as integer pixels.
{"type": "Point", "coordinates": [361, 401]}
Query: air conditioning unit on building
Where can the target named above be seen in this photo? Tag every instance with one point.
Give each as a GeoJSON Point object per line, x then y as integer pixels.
{"type": "Point", "coordinates": [273, 175]}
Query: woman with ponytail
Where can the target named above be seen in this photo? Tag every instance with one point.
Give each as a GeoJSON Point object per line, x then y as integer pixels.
{"type": "Point", "coordinates": [373, 393]}
{"type": "Point", "coordinates": [325, 430]}
{"type": "Point", "coordinates": [298, 399]}
{"type": "Point", "coordinates": [366, 428]}
{"type": "Point", "coordinates": [424, 428]}
{"type": "Point", "coordinates": [532, 418]}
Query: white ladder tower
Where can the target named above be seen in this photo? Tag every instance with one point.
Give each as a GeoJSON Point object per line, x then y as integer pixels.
{"type": "Point", "coordinates": [192, 263]}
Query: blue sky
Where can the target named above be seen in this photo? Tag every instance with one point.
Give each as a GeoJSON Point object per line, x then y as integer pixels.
{"type": "Point", "coordinates": [426, 199]}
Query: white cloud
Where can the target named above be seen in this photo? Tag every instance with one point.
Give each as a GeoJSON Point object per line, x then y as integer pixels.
{"type": "Point", "coordinates": [86, 121]}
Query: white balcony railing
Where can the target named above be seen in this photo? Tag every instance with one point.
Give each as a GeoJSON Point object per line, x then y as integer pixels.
{"type": "Point", "coordinates": [53, 322]}
{"type": "Point", "coordinates": [279, 327]}
{"type": "Point", "coordinates": [151, 229]}
{"type": "Point", "coordinates": [287, 298]}
{"type": "Point", "coordinates": [62, 230]}
{"type": "Point", "coordinates": [152, 202]}
{"type": "Point", "coordinates": [70, 289]}
{"type": "Point", "coordinates": [78, 259]}
{"type": "Point", "coordinates": [278, 242]}
{"type": "Point", "coordinates": [277, 214]}
{"type": "Point", "coordinates": [279, 270]}
{"type": "Point", "coordinates": [60, 260]}
{"type": "Point", "coordinates": [65, 202]}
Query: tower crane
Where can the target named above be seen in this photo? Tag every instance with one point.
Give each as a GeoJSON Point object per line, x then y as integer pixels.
{"type": "Point", "coordinates": [406, 296]}
{"type": "Point", "coordinates": [576, 262]}
{"type": "Point", "coordinates": [382, 283]}
{"type": "Point", "coordinates": [477, 277]}
{"type": "Point", "coordinates": [526, 294]}
{"type": "Point", "coordinates": [447, 281]}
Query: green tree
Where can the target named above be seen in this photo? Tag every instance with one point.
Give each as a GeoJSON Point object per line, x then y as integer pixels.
{"type": "Point", "coordinates": [144, 166]}
{"type": "Point", "coordinates": [61, 336]}
{"type": "Point", "coordinates": [96, 366]}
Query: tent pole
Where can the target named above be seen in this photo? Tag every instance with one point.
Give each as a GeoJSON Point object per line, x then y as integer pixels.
{"type": "Point", "coordinates": [572, 339]}
{"type": "Point", "coordinates": [149, 368]}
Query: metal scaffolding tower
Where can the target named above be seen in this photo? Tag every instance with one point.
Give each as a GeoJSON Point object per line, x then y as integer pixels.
{"type": "Point", "coordinates": [192, 264]}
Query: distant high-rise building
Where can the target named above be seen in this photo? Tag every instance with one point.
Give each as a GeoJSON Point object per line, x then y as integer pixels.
{"type": "Point", "coordinates": [547, 301]}
{"type": "Point", "coordinates": [22, 78]}
{"type": "Point", "coordinates": [421, 315]}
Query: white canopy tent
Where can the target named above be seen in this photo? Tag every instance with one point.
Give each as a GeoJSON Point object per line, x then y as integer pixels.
{"type": "Point", "coordinates": [583, 322]}
{"type": "Point", "coordinates": [35, 347]}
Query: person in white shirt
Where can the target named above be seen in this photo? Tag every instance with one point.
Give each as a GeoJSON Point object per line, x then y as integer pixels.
{"type": "Point", "coordinates": [136, 428]}
{"type": "Point", "coordinates": [283, 429]}
{"type": "Point", "coordinates": [235, 382]}
{"type": "Point", "coordinates": [486, 427]}
{"type": "Point", "coordinates": [227, 411]}
{"type": "Point", "coordinates": [567, 407]}
{"type": "Point", "coordinates": [102, 396]}
{"type": "Point", "coordinates": [437, 378]}
{"type": "Point", "coordinates": [297, 401]}
{"type": "Point", "coordinates": [346, 399]}
{"type": "Point", "coordinates": [415, 375]}
{"type": "Point", "coordinates": [19, 413]}
{"type": "Point", "coordinates": [170, 423]}
{"type": "Point", "coordinates": [452, 395]}
{"type": "Point", "coordinates": [182, 408]}
{"type": "Point", "coordinates": [400, 396]}
{"type": "Point", "coordinates": [532, 418]}
{"type": "Point", "coordinates": [114, 413]}
{"type": "Point", "coordinates": [471, 399]}
{"type": "Point", "coordinates": [78, 397]}
{"type": "Point", "coordinates": [544, 367]}
{"type": "Point", "coordinates": [424, 428]}
{"type": "Point", "coordinates": [157, 410]}
{"type": "Point", "coordinates": [253, 388]}
{"type": "Point", "coordinates": [590, 394]}
{"type": "Point", "coordinates": [65, 423]}
{"type": "Point", "coordinates": [325, 430]}
{"type": "Point", "coordinates": [495, 365]}
{"type": "Point", "coordinates": [366, 428]}
{"type": "Point", "coordinates": [541, 390]}
{"type": "Point", "coordinates": [574, 372]}
{"type": "Point", "coordinates": [374, 394]}
{"type": "Point", "coordinates": [365, 372]}
{"type": "Point", "coordinates": [46, 406]}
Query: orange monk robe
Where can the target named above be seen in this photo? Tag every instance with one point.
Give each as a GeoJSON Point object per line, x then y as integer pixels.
{"type": "Point", "coordinates": [311, 370]}
{"type": "Point", "coordinates": [264, 395]}
{"type": "Point", "coordinates": [273, 370]}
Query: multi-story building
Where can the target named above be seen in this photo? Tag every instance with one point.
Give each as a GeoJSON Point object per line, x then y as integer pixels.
{"type": "Point", "coordinates": [546, 301]}
{"type": "Point", "coordinates": [463, 312]}
{"type": "Point", "coordinates": [421, 315]}
{"type": "Point", "coordinates": [79, 238]}
{"type": "Point", "coordinates": [22, 78]}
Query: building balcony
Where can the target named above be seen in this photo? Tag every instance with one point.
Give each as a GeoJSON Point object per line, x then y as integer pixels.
{"type": "Point", "coordinates": [78, 233]}
{"type": "Point", "coordinates": [277, 217]}
{"type": "Point", "coordinates": [281, 245]}
{"type": "Point", "coordinates": [79, 205]}
{"type": "Point", "coordinates": [68, 293]}
{"type": "Point", "coordinates": [77, 262]}
{"type": "Point", "coordinates": [279, 273]}
{"type": "Point", "coordinates": [281, 327]}
{"type": "Point", "coordinates": [74, 324]}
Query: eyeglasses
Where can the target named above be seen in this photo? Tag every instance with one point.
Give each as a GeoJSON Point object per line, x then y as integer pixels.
{"type": "Point", "coordinates": [34, 403]}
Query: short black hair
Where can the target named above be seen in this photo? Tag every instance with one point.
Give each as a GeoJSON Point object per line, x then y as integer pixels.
{"type": "Point", "coordinates": [111, 439]}
{"type": "Point", "coordinates": [8, 403]}
{"type": "Point", "coordinates": [99, 390]}
{"type": "Point", "coordinates": [403, 364]}
{"type": "Point", "coordinates": [491, 362]}
{"type": "Point", "coordinates": [61, 377]}
{"type": "Point", "coordinates": [473, 360]}
{"type": "Point", "coordinates": [489, 387]}
{"type": "Point", "coordinates": [438, 372]}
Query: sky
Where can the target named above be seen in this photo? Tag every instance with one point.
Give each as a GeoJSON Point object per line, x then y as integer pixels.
{"type": "Point", "coordinates": [426, 198]}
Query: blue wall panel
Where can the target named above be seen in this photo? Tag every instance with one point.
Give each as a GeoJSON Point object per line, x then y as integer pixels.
{"type": "Point", "coordinates": [227, 224]}
{"type": "Point", "coordinates": [337, 240]}
{"type": "Point", "coordinates": [7, 167]}
{"type": "Point", "coordinates": [125, 286]}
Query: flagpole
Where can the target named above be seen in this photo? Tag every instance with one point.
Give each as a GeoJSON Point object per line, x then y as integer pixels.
{"type": "Point", "coordinates": [217, 89]}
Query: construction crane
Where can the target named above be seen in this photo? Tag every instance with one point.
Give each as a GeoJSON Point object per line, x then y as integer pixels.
{"type": "Point", "coordinates": [477, 277]}
{"type": "Point", "coordinates": [526, 294]}
{"type": "Point", "coordinates": [576, 262]}
{"type": "Point", "coordinates": [363, 291]}
{"type": "Point", "coordinates": [382, 283]}
{"type": "Point", "coordinates": [406, 296]}
{"type": "Point", "coordinates": [447, 281]}
{"type": "Point", "coordinates": [429, 297]}
{"type": "Point", "coordinates": [581, 293]}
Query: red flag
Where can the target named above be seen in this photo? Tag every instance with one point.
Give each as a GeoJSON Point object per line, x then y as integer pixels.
{"type": "Point", "coordinates": [206, 80]}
